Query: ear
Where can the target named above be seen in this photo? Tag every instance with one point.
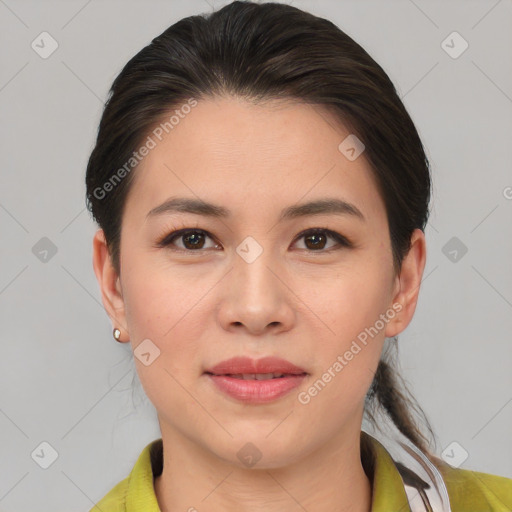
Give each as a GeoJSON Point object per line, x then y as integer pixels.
{"type": "Point", "coordinates": [110, 285]}
{"type": "Point", "coordinates": [407, 284]}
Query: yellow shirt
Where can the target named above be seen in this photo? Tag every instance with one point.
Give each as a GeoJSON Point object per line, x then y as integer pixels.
{"type": "Point", "coordinates": [468, 491]}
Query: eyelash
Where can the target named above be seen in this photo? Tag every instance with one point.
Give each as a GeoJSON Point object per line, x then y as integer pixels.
{"type": "Point", "coordinates": [168, 239]}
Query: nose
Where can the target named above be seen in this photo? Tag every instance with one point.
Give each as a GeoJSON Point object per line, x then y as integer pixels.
{"type": "Point", "coordinates": [256, 297]}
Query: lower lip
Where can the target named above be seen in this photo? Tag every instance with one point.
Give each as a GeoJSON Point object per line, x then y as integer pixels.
{"type": "Point", "coordinates": [256, 391]}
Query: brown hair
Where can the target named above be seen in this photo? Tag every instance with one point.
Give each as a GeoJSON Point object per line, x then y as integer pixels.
{"type": "Point", "coordinates": [261, 52]}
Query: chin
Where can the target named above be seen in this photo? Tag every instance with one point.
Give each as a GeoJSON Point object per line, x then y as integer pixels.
{"type": "Point", "coordinates": [261, 452]}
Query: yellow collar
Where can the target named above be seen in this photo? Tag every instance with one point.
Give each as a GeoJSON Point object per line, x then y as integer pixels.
{"type": "Point", "coordinates": [467, 490]}
{"type": "Point", "coordinates": [388, 491]}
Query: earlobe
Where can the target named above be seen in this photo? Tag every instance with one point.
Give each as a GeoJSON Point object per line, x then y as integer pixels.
{"type": "Point", "coordinates": [108, 281]}
{"type": "Point", "coordinates": [409, 282]}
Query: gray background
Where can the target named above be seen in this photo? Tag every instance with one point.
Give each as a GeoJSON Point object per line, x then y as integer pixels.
{"type": "Point", "coordinates": [63, 378]}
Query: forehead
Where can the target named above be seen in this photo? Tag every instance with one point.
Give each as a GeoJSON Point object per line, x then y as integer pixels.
{"type": "Point", "coordinates": [251, 157]}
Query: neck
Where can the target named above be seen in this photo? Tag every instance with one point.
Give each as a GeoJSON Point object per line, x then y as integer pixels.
{"type": "Point", "coordinates": [330, 478]}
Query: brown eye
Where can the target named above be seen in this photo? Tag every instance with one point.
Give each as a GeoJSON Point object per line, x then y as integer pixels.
{"type": "Point", "coordinates": [316, 239]}
{"type": "Point", "coordinates": [191, 239]}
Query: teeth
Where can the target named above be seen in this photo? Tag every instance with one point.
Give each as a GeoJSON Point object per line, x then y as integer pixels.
{"type": "Point", "coordinates": [266, 376]}
{"type": "Point", "coordinates": [258, 376]}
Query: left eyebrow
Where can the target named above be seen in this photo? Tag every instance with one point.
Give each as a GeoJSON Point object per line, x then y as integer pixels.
{"type": "Point", "coordinates": [321, 207]}
{"type": "Point", "coordinates": [317, 207]}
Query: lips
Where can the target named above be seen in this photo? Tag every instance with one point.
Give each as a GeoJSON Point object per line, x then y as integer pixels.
{"type": "Point", "coordinates": [246, 368]}
{"type": "Point", "coordinates": [256, 381]}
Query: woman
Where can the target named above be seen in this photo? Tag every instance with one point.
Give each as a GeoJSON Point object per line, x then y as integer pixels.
{"type": "Point", "coordinates": [262, 195]}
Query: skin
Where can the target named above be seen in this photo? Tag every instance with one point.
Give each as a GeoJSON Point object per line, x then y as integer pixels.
{"type": "Point", "coordinates": [303, 304]}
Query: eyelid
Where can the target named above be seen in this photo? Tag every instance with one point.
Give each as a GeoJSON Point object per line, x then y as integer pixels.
{"type": "Point", "coordinates": [170, 230]}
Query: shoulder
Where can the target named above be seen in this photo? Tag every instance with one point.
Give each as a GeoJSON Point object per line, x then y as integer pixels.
{"type": "Point", "coordinates": [115, 499]}
{"type": "Point", "coordinates": [475, 491]}
{"type": "Point", "coordinates": [136, 491]}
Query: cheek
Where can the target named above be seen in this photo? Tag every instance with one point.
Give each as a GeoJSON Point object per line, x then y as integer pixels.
{"type": "Point", "coordinates": [168, 312]}
{"type": "Point", "coordinates": [352, 330]}
{"type": "Point", "coordinates": [350, 303]}
{"type": "Point", "coordinates": [158, 310]}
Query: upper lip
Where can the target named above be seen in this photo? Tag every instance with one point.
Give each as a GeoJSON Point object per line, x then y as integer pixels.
{"type": "Point", "coordinates": [245, 365]}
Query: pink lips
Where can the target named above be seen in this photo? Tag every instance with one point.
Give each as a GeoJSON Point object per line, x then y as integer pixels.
{"type": "Point", "coordinates": [240, 365]}
{"type": "Point", "coordinates": [252, 390]}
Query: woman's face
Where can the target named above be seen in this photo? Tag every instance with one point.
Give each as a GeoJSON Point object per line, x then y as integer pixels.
{"type": "Point", "coordinates": [252, 283]}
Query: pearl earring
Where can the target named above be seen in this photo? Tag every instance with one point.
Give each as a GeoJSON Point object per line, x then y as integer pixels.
{"type": "Point", "coordinates": [117, 334]}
